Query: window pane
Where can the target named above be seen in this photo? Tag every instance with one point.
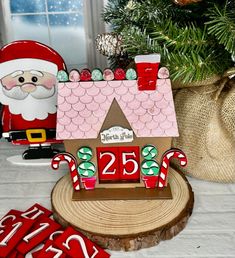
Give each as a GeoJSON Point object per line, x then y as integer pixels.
{"type": "Point", "coordinates": [68, 38]}
{"type": "Point", "coordinates": [32, 27]}
{"type": "Point", "coordinates": [27, 6]}
{"type": "Point", "coordinates": [64, 5]}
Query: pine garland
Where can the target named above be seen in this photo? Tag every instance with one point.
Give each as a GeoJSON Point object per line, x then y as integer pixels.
{"type": "Point", "coordinates": [195, 41]}
{"type": "Point", "coordinates": [222, 26]}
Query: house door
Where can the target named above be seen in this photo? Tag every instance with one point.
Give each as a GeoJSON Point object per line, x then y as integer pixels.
{"type": "Point", "coordinates": [118, 164]}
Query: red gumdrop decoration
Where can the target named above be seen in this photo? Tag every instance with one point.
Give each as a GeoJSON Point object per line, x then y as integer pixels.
{"type": "Point", "coordinates": [119, 74]}
{"type": "Point", "coordinates": [85, 75]}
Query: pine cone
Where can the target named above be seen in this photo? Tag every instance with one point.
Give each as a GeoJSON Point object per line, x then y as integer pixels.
{"type": "Point", "coordinates": [109, 44]}
{"type": "Point", "coordinates": [185, 2]}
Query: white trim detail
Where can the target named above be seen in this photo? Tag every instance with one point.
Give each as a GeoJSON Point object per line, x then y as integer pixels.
{"type": "Point", "coordinates": [153, 58]}
{"type": "Point", "coordinates": [116, 134]}
{"type": "Point", "coordinates": [27, 64]}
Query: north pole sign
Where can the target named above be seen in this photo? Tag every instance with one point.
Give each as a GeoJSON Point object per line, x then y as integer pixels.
{"type": "Point", "coordinates": [116, 134]}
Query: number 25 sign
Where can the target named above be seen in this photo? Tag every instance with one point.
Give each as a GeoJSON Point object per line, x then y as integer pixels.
{"type": "Point", "coordinates": [118, 163]}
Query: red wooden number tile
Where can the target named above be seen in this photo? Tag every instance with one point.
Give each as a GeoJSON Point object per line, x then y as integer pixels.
{"type": "Point", "coordinates": [130, 163]}
{"type": "Point", "coordinates": [12, 234]}
{"type": "Point", "coordinates": [36, 211]}
{"type": "Point", "coordinates": [9, 219]}
{"type": "Point", "coordinates": [37, 250]}
{"type": "Point", "coordinates": [50, 250]}
{"type": "Point", "coordinates": [41, 230]}
{"type": "Point", "coordinates": [108, 163]}
{"type": "Point", "coordinates": [75, 244]}
{"type": "Point", "coordinates": [13, 254]}
{"type": "Point", "coordinates": [34, 253]}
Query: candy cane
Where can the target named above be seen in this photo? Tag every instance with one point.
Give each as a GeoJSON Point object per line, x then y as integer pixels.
{"type": "Point", "coordinates": [72, 166]}
{"type": "Point", "coordinates": [167, 156]}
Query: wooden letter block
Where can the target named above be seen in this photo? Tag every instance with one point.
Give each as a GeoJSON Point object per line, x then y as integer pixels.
{"type": "Point", "coordinates": [129, 163]}
{"type": "Point", "coordinates": [49, 250]}
{"type": "Point", "coordinates": [19, 255]}
{"type": "Point", "coordinates": [108, 163]}
{"type": "Point", "coordinates": [36, 211]}
{"type": "Point", "coordinates": [9, 219]}
{"type": "Point", "coordinates": [34, 253]}
{"type": "Point", "coordinates": [12, 234]}
{"type": "Point", "coordinates": [75, 244]}
{"type": "Point", "coordinates": [15, 254]}
{"type": "Point", "coordinates": [41, 230]}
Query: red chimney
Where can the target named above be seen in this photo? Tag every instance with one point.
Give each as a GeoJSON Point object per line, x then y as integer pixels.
{"type": "Point", "coordinates": [147, 70]}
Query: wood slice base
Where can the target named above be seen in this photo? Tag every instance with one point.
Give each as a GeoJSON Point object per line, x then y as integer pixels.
{"type": "Point", "coordinates": [125, 225]}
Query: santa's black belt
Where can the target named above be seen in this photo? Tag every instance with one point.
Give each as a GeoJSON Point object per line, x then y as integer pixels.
{"type": "Point", "coordinates": [33, 135]}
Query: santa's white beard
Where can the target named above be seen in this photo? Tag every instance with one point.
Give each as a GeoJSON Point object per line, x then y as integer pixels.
{"type": "Point", "coordinates": [30, 107]}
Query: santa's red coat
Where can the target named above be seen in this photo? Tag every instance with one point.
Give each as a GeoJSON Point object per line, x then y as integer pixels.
{"type": "Point", "coordinates": [14, 123]}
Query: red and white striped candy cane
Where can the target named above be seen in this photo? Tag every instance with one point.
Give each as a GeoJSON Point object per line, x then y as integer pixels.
{"type": "Point", "coordinates": [167, 156]}
{"type": "Point", "coordinates": [72, 167]}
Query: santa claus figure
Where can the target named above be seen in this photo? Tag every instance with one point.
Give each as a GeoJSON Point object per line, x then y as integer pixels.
{"type": "Point", "coordinates": [28, 93]}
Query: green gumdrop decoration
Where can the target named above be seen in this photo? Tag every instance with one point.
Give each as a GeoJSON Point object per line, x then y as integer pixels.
{"type": "Point", "coordinates": [149, 152]}
{"type": "Point", "coordinates": [97, 75]}
{"type": "Point", "coordinates": [150, 168]}
{"type": "Point", "coordinates": [86, 169]}
{"type": "Point", "coordinates": [131, 74]}
{"type": "Point", "coordinates": [84, 153]}
{"type": "Point", "coordinates": [62, 76]}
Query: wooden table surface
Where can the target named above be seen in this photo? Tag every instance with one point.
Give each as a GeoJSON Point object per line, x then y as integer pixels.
{"type": "Point", "coordinates": [209, 233]}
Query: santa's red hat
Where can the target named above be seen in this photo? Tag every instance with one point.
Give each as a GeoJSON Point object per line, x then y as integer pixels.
{"type": "Point", "coordinates": [26, 55]}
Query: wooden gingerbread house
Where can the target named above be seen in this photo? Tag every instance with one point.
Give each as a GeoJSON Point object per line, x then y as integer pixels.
{"type": "Point", "coordinates": [118, 130]}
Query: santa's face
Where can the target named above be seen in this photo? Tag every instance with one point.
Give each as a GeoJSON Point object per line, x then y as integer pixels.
{"type": "Point", "coordinates": [20, 84]}
{"type": "Point", "coordinates": [29, 93]}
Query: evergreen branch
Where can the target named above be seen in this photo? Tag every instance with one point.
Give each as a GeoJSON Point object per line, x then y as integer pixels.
{"type": "Point", "coordinates": [139, 13]}
{"type": "Point", "coordinates": [183, 39]}
{"type": "Point", "coordinates": [187, 67]}
{"type": "Point", "coordinates": [115, 14]}
{"type": "Point", "coordinates": [194, 64]}
{"type": "Point", "coordinates": [136, 42]}
{"type": "Point", "coordinates": [189, 47]}
{"type": "Point", "coordinates": [136, 13]}
{"type": "Point", "coordinates": [222, 26]}
{"type": "Point", "coordinates": [194, 67]}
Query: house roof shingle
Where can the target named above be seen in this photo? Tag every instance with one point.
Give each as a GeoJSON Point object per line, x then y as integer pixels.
{"type": "Point", "coordinates": [83, 106]}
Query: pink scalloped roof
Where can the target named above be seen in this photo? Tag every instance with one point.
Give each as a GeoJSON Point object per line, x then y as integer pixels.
{"type": "Point", "coordinates": [83, 106]}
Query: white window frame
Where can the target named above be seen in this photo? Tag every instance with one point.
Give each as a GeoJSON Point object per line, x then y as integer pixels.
{"type": "Point", "coordinates": [92, 22]}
